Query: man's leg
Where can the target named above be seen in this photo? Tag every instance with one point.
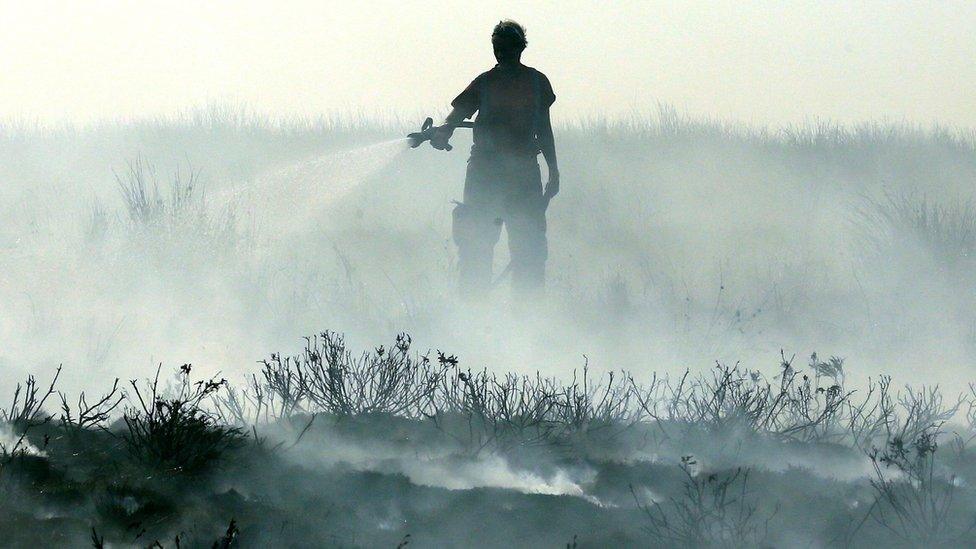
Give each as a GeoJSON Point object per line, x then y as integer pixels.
{"type": "Point", "coordinates": [529, 250]}
{"type": "Point", "coordinates": [475, 234]}
{"type": "Point", "coordinates": [477, 228]}
{"type": "Point", "coordinates": [526, 224]}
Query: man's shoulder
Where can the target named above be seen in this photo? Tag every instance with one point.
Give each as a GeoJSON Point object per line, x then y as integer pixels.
{"type": "Point", "coordinates": [487, 73]}
{"type": "Point", "coordinates": [543, 79]}
{"type": "Point", "coordinates": [524, 69]}
{"type": "Point", "coordinates": [545, 86]}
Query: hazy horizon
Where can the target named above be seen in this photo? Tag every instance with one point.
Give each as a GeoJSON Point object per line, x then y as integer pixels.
{"type": "Point", "coordinates": [765, 63]}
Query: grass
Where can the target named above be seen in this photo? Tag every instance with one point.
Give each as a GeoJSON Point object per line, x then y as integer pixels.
{"type": "Point", "coordinates": [166, 216]}
{"type": "Point", "coordinates": [946, 232]}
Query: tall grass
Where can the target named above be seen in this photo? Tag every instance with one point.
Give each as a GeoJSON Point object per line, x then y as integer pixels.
{"type": "Point", "coordinates": [944, 231]}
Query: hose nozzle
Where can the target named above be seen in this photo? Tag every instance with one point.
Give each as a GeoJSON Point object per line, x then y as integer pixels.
{"type": "Point", "coordinates": [427, 132]}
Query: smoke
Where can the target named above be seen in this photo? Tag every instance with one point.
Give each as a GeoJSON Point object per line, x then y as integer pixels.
{"type": "Point", "coordinates": [443, 468]}
{"type": "Point", "coordinates": [674, 243]}
{"type": "Point", "coordinates": [13, 444]}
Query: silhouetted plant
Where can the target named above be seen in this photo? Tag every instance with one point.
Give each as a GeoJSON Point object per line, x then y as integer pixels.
{"type": "Point", "coordinates": [90, 415]}
{"type": "Point", "coordinates": [98, 542]}
{"type": "Point", "coordinates": [26, 411]}
{"type": "Point", "coordinates": [913, 500]}
{"type": "Point", "coordinates": [27, 406]}
{"type": "Point", "coordinates": [229, 539]}
{"type": "Point", "coordinates": [175, 432]}
{"type": "Point", "coordinates": [714, 510]}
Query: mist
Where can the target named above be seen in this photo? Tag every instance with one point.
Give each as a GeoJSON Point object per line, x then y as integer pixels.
{"type": "Point", "coordinates": [713, 242]}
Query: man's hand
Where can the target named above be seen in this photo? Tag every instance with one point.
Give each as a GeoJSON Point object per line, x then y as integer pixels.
{"type": "Point", "coordinates": [552, 187]}
{"type": "Point", "coordinates": [442, 136]}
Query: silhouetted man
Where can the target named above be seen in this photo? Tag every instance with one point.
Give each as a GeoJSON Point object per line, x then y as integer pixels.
{"type": "Point", "coordinates": [503, 185]}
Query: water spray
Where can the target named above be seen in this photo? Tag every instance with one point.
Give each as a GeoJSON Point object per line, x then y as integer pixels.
{"type": "Point", "coordinates": [427, 131]}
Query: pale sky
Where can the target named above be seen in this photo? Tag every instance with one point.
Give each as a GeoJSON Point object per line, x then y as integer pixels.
{"type": "Point", "coordinates": [761, 62]}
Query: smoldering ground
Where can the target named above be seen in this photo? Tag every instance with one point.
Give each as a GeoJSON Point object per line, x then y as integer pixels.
{"type": "Point", "coordinates": [216, 239]}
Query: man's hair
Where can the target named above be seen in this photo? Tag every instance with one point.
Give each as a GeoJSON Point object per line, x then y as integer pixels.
{"type": "Point", "coordinates": [509, 37]}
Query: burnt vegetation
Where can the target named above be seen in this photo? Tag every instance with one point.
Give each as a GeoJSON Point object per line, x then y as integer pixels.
{"type": "Point", "coordinates": [176, 432]}
{"type": "Point", "coordinates": [678, 459]}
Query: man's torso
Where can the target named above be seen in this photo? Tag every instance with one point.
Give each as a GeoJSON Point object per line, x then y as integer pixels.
{"type": "Point", "coordinates": [509, 101]}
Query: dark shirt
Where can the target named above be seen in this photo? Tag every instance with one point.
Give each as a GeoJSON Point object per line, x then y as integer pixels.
{"type": "Point", "coordinates": [510, 101]}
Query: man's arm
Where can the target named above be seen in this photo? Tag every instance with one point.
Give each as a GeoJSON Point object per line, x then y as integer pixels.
{"type": "Point", "coordinates": [464, 106]}
{"type": "Point", "coordinates": [444, 132]}
{"type": "Point", "coordinates": [547, 144]}
{"type": "Point", "coordinates": [456, 116]}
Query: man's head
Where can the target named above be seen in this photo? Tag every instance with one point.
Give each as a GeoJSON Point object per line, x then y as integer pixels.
{"type": "Point", "coordinates": [508, 41]}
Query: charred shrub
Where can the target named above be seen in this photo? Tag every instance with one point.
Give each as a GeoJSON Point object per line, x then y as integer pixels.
{"type": "Point", "coordinates": [328, 378]}
{"type": "Point", "coordinates": [482, 411]}
{"type": "Point", "coordinates": [176, 433]}
{"type": "Point", "coordinates": [26, 412]}
{"type": "Point", "coordinates": [713, 510]}
{"type": "Point", "coordinates": [914, 500]}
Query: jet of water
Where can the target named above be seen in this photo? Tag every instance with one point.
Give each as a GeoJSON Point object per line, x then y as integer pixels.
{"type": "Point", "coordinates": [295, 196]}
{"type": "Point", "coordinates": [340, 172]}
